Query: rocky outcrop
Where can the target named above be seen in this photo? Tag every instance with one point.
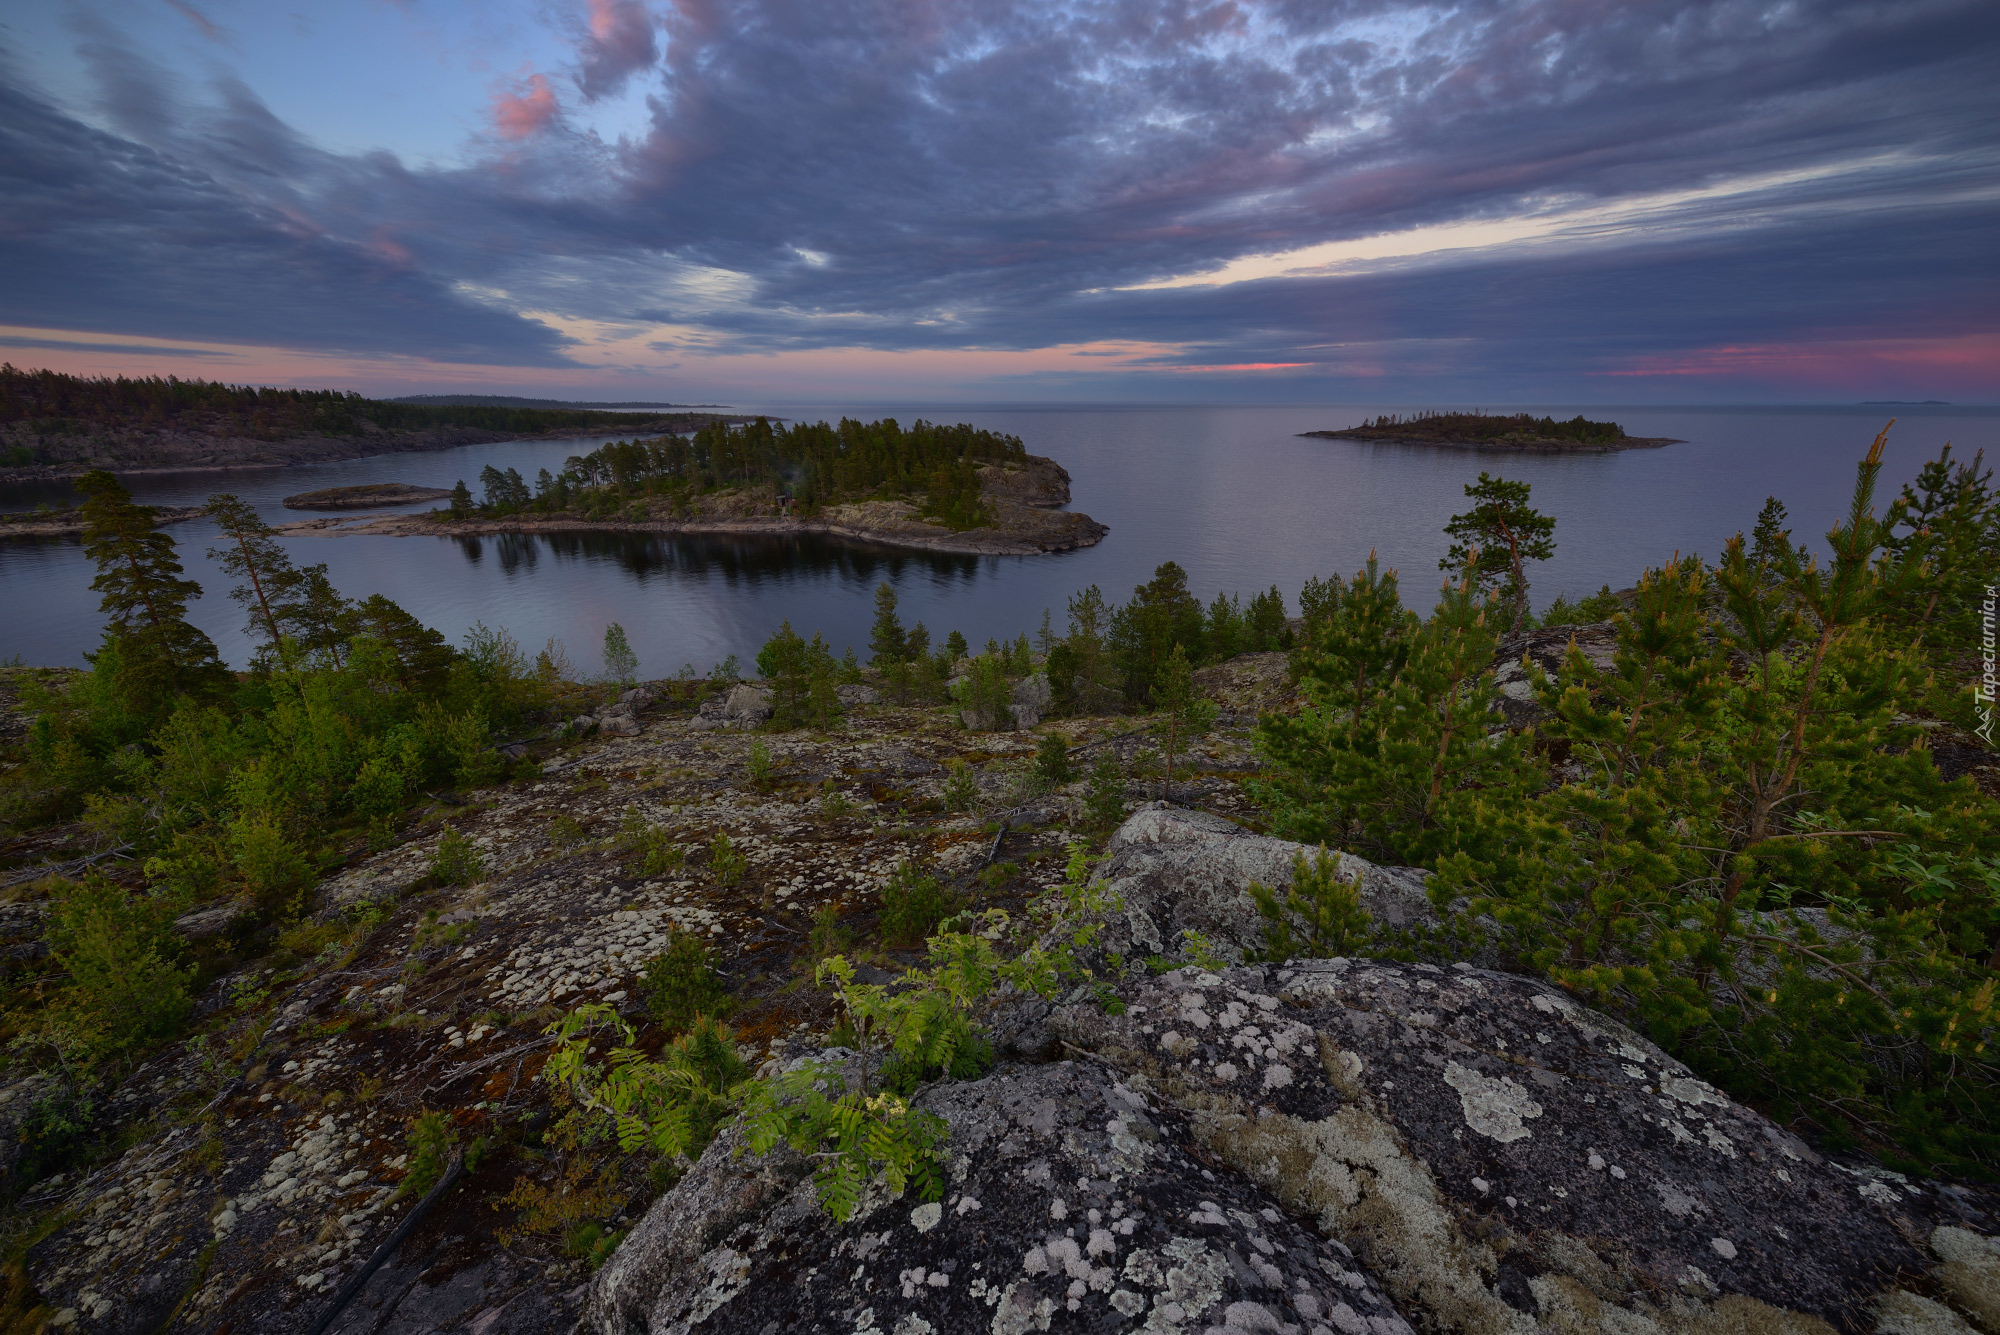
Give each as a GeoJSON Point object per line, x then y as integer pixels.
{"type": "Point", "coordinates": [1072, 1200]}
{"type": "Point", "coordinates": [1341, 1145]}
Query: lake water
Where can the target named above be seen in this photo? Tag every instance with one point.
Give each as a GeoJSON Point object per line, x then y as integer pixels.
{"type": "Point", "coordinates": [1234, 494]}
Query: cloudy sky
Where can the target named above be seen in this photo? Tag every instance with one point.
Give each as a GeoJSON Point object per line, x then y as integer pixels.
{"type": "Point", "coordinates": [1591, 200]}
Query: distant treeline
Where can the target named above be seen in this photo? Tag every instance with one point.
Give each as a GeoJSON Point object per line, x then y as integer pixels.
{"type": "Point", "coordinates": [62, 404]}
{"type": "Point", "coordinates": [814, 465]}
{"type": "Point", "coordinates": [516, 401]}
{"type": "Point", "coordinates": [1482, 426]}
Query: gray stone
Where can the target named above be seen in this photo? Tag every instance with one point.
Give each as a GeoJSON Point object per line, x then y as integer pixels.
{"type": "Point", "coordinates": [1031, 700]}
{"type": "Point", "coordinates": [1176, 870]}
{"type": "Point", "coordinates": [854, 693]}
{"type": "Point", "coordinates": [620, 725]}
{"type": "Point", "coordinates": [1506, 1157]}
{"type": "Point", "coordinates": [751, 703]}
{"type": "Point", "coordinates": [1072, 1201]}
{"type": "Point", "coordinates": [207, 922]}
{"type": "Point", "coordinates": [637, 698]}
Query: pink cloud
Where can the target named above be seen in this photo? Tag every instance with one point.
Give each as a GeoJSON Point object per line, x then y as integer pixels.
{"type": "Point", "coordinates": [517, 115]}
{"type": "Point", "coordinates": [621, 43]}
{"type": "Point", "coordinates": [1966, 361]}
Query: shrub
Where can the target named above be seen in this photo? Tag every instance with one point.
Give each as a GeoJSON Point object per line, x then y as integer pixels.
{"type": "Point", "coordinates": [125, 990]}
{"type": "Point", "coordinates": [431, 1140]}
{"type": "Point", "coordinates": [984, 697]}
{"type": "Point", "coordinates": [1052, 758]}
{"type": "Point", "coordinates": [1104, 799]}
{"type": "Point", "coordinates": [457, 860]}
{"type": "Point", "coordinates": [913, 903]}
{"type": "Point", "coordinates": [724, 863]}
{"type": "Point", "coordinates": [961, 790]}
{"type": "Point", "coordinates": [759, 764]}
{"type": "Point", "coordinates": [681, 984]}
{"type": "Point", "coordinates": [276, 872]}
{"type": "Point", "coordinates": [829, 936]}
{"type": "Point", "coordinates": [1334, 921]}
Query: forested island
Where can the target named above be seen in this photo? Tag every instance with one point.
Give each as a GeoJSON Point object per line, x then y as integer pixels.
{"type": "Point", "coordinates": [1519, 431]}
{"type": "Point", "coordinates": [54, 425]}
{"type": "Point", "coordinates": [935, 487]}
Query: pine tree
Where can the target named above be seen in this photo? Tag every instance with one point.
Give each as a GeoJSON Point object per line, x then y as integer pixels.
{"type": "Point", "coordinates": [1104, 799]}
{"type": "Point", "coordinates": [1265, 626]}
{"type": "Point", "coordinates": [1089, 670]}
{"type": "Point", "coordinates": [461, 500]}
{"type": "Point", "coordinates": [1496, 538]}
{"type": "Point", "coordinates": [259, 563]}
{"type": "Point", "coordinates": [316, 615]}
{"type": "Point", "coordinates": [956, 647]}
{"type": "Point", "coordinates": [161, 654]}
{"type": "Point", "coordinates": [888, 642]}
{"type": "Point", "coordinates": [1188, 713]}
{"type": "Point", "coordinates": [620, 663]}
{"type": "Point", "coordinates": [1144, 632]}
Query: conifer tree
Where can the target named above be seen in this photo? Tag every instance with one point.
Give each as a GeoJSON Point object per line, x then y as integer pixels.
{"type": "Point", "coordinates": [461, 500]}
{"type": "Point", "coordinates": [888, 642]}
{"type": "Point", "coordinates": [1188, 713]}
{"type": "Point", "coordinates": [1161, 615]}
{"type": "Point", "coordinates": [1496, 538]}
{"type": "Point", "coordinates": [161, 654]}
{"type": "Point", "coordinates": [1089, 668]}
{"type": "Point", "coordinates": [1264, 624]}
{"type": "Point", "coordinates": [255, 558]}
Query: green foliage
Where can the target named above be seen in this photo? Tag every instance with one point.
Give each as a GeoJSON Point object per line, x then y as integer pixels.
{"type": "Point", "coordinates": [621, 665]}
{"type": "Point", "coordinates": [1265, 627]}
{"type": "Point", "coordinates": [682, 984]}
{"type": "Point", "coordinates": [658, 853]}
{"type": "Point", "coordinates": [1517, 428]}
{"type": "Point", "coordinates": [1493, 541]}
{"type": "Point", "coordinates": [888, 642]}
{"type": "Point", "coordinates": [1082, 670]}
{"type": "Point", "coordinates": [914, 902]}
{"type": "Point", "coordinates": [276, 873]}
{"type": "Point", "coordinates": [1224, 632]}
{"type": "Point", "coordinates": [1392, 750]}
{"type": "Point", "coordinates": [124, 988]}
{"type": "Point", "coordinates": [961, 789]}
{"type": "Point", "coordinates": [431, 1140]}
{"type": "Point", "coordinates": [955, 648]}
{"type": "Point", "coordinates": [671, 1106]}
{"type": "Point", "coordinates": [984, 697]}
{"type": "Point", "coordinates": [1198, 950]}
{"type": "Point", "coordinates": [1052, 758]}
{"type": "Point", "coordinates": [829, 936]}
{"type": "Point", "coordinates": [802, 675]}
{"type": "Point", "coordinates": [1186, 712]}
{"type": "Point", "coordinates": [161, 657]}
{"type": "Point", "coordinates": [725, 864]}
{"type": "Point", "coordinates": [456, 861]}
{"type": "Point", "coordinates": [759, 764]}
{"type": "Point", "coordinates": [1104, 799]}
{"type": "Point", "coordinates": [1599, 606]}
{"type": "Point", "coordinates": [1319, 915]}
{"type": "Point", "coordinates": [1144, 633]}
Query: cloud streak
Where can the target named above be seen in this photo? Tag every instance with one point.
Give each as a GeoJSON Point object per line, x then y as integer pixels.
{"type": "Point", "coordinates": [1498, 194]}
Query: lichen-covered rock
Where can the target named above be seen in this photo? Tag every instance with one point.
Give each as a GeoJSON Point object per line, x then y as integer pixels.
{"type": "Point", "coordinates": [752, 703]}
{"type": "Point", "coordinates": [1505, 1158]}
{"type": "Point", "coordinates": [1176, 870]}
{"type": "Point", "coordinates": [1073, 1202]}
{"type": "Point", "coordinates": [1031, 700]}
{"type": "Point", "coordinates": [620, 725]}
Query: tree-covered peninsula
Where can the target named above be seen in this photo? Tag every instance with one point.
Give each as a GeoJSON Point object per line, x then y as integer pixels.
{"type": "Point", "coordinates": [1517, 431]}
{"type": "Point", "coordinates": [52, 424]}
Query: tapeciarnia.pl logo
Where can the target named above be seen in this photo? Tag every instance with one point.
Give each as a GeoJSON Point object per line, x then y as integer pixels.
{"type": "Point", "coordinates": [1983, 692]}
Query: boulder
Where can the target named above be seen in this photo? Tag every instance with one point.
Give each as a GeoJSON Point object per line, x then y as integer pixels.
{"type": "Point", "coordinates": [854, 693]}
{"type": "Point", "coordinates": [637, 698]}
{"type": "Point", "coordinates": [582, 725]}
{"type": "Point", "coordinates": [1176, 870]}
{"type": "Point", "coordinates": [1072, 1201]}
{"type": "Point", "coordinates": [1508, 1160]}
{"type": "Point", "coordinates": [619, 725]}
{"type": "Point", "coordinates": [208, 921]}
{"type": "Point", "coordinates": [748, 704]}
{"type": "Point", "coordinates": [1031, 700]}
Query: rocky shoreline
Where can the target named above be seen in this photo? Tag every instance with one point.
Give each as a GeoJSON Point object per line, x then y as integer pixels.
{"type": "Point", "coordinates": [64, 523]}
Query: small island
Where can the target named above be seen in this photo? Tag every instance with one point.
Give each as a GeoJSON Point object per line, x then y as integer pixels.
{"type": "Point", "coordinates": [949, 489]}
{"type": "Point", "coordinates": [1519, 432]}
{"type": "Point", "coordinates": [365, 495]}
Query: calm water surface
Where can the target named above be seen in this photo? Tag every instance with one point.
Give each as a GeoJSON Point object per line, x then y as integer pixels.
{"type": "Point", "coordinates": [1234, 494]}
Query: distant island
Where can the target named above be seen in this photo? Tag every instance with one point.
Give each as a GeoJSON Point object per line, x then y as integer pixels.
{"type": "Point", "coordinates": [931, 487]}
{"type": "Point", "coordinates": [1906, 403]}
{"type": "Point", "coordinates": [366, 494]}
{"type": "Point", "coordinates": [541, 405]}
{"type": "Point", "coordinates": [55, 426]}
{"type": "Point", "coordinates": [1519, 432]}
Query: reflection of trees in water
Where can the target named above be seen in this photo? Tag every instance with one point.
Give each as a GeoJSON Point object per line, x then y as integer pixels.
{"type": "Point", "coordinates": [736, 560]}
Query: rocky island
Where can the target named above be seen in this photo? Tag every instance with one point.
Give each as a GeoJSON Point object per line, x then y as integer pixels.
{"type": "Point", "coordinates": [1519, 433]}
{"type": "Point", "coordinates": [362, 496]}
{"type": "Point", "coordinates": [931, 488]}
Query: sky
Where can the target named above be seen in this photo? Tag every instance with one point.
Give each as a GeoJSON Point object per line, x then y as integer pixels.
{"type": "Point", "coordinates": [1617, 201]}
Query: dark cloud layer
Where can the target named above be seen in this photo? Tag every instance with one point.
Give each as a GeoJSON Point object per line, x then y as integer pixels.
{"type": "Point", "coordinates": [990, 173]}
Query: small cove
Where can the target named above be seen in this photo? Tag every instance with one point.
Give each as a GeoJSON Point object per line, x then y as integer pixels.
{"type": "Point", "coordinates": [1232, 493]}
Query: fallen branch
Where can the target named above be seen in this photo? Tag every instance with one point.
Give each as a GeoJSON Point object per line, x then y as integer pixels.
{"type": "Point", "coordinates": [388, 1247]}
{"type": "Point", "coordinates": [485, 1062]}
